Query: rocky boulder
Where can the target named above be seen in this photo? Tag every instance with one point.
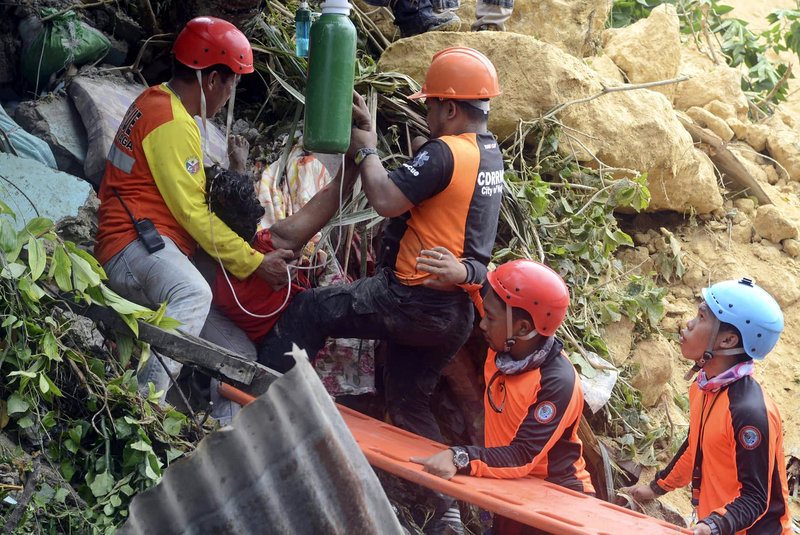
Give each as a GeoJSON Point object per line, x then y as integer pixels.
{"type": "Point", "coordinates": [654, 359]}
{"type": "Point", "coordinates": [648, 50]}
{"type": "Point", "coordinates": [782, 145]}
{"type": "Point", "coordinates": [619, 129]}
{"type": "Point", "coordinates": [708, 83]}
{"type": "Point", "coordinates": [572, 25]}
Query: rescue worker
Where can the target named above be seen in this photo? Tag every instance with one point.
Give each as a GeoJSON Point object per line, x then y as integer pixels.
{"type": "Point", "coordinates": [533, 400]}
{"type": "Point", "coordinates": [449, 195]}
{"type": "Point", "coordinates": [153, 210]}
{"type": "Point", "coordinates": [733, 456]}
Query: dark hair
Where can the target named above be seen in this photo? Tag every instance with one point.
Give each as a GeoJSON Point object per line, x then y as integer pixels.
{"type": "Point", "coordinates": [186, 73]}
{"type": "Point", "coordinates": [517, 314]}
{"type": "Point", "coordinates": [233, 199]}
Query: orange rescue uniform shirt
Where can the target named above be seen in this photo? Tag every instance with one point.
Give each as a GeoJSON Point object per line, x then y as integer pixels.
{"type": "Point", "coordinates": [537, 431]}
{"type": "Point", "coordinates": [743, 484]}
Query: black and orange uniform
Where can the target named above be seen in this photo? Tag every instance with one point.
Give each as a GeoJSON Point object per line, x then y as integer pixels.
{"type": "Point", "coordinates": [742, 473]}
{"type": "Point", "coordinates": [535, 432]}
{"type": "Point", "coordinates": [460, 215]}
{"type": "Point", "coordinates": [456, 186]}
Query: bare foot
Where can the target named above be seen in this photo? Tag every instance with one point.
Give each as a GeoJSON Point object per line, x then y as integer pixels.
{"type": "Point", "coordinates": [238, 149]}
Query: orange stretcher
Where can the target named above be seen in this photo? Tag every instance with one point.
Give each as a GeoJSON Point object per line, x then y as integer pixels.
{"type": "Point", "coordinates": [531, 501]}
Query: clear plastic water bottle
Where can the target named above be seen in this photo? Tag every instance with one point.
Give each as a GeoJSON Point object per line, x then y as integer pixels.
{"type": "Point", "coordinates": [302, 25]}
{"type": "Point", "coordinates": [331, 70]}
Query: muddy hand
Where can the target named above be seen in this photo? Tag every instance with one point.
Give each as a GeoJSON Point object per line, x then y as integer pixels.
{"type": "Point", "coordinates": [238, 149]}
{"type": "Point", "coordinates": [440, 262]}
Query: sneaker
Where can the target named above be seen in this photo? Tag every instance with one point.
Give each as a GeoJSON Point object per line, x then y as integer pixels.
{"type": "Point", "coordinates": [447, 21]}
{"type": "Point", "coordinates": [487, 28]}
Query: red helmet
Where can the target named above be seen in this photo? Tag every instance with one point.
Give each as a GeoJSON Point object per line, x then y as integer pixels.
{"type": "Point", "coordinates": [534, 288]}
{"type": "Point", "coordinates": [207, 41]}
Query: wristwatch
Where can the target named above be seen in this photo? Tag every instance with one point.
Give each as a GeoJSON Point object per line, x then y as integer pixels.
{"type": "Point", "coordinates": [460, 457]}
{"type": "Point", "coordinates": [363, 153]}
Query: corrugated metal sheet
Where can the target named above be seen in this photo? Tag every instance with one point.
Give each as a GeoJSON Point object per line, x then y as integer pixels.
{"type": "Point", "coordinates": [288, 464]}
{"type": "Point", "coordinates": [28, 183]}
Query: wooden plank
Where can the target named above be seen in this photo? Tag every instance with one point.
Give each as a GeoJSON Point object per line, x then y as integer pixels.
{"type": "Point", "coordinates": [190, 350]}
{"type": "Point", "coordinates": [732, 170]}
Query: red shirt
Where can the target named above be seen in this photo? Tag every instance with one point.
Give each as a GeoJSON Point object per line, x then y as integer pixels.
{"type": "Point", "coordinates": [255, 295]}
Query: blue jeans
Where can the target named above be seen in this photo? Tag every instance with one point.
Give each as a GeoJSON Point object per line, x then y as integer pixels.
{"type": "Point", "coordinates": [149, 280]}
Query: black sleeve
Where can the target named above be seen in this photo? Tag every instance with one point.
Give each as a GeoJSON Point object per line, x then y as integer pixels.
{"type": "Point", "coordinates": [476, 271]}
{"type": "Point", "coordinates": [427, 174]}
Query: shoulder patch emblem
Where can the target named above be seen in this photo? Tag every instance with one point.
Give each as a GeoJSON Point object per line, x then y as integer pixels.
{"type": "Point", "coordinates": [192, 166]}
{"type": "Point", "coordinates": [420, 159]}
{"type": "Point", "coordinates": [749, 437]}
{"type": "Point", "coordinates": [545, 412]}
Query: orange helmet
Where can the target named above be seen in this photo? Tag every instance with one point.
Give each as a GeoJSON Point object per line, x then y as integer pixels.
{"type": "Point", "coordinates": [207, 41]}
{"type": "Point", "coordinates": [534, 288]}
{"type": "Point", "coordinates": [460, 73]}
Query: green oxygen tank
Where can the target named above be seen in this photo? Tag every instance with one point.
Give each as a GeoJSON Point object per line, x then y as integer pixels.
{"type": "Point", "coordinates": [331, 67]}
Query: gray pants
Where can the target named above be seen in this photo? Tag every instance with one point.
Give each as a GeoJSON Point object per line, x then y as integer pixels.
{"type": "Point", "coordinates": [495, 12]}
{"type": "Point", "coordinates": [149, 280]}
{"type": "Point", "coordinates": [220, 330]}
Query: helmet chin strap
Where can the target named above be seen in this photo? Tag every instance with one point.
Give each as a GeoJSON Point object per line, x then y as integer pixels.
{"type": "Point", "coordinates": [511, 339]}
{"type": "Point", "coordinates": [710, 353]}
{"type": "Point", "coordinates": [202, 109]}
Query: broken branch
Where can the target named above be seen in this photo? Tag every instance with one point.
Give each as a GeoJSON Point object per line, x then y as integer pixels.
{"type": "Point", "coordinates": [625, 87]}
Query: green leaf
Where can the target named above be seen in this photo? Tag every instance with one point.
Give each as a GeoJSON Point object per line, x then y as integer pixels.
{"type": "Point", "coordinates": [8, 236]}
{"type": "Point", "coordinates": [50, 347]}
{"type": "Point", "coordinates": [584, 367]}
{"type": "Point", "coordinates": [127, 310]}
{"type": "Point", "coordinates": [17, 404]}
{"type": "Point", "coordinates": [44, 386]}
{"type": "Point", "coordinates": [172, 426]}
{"type": "Point", "coordinates": [25, 422]}
{"type": "Point", "coordinates": [37, 258]}
{"type": "Point", "coordinates": [38, 225]}
{"type": "Point", "coordinates": [4, 209]}
{"type": "Point", "coordinates": [13, 271]}
{"type": "Point", "coordinates": [92, 261]}
{"type": "Point", "coordinates": [173, 454]}
{"type": "Point", "coordinates": [53, 389]}
{"type": "Point", "coordinates": [83, 270]}
{"type": "Point", "coordinates": [76, 433]}
{"type": "Point", "coordinates": [62, 268]}
{"type": "Point", "coordinates": [61, 495]}
{"type": "Point", "coordinates": [141, 445]}
{"type": "Point", "coordinates": [124, 349]}
{"type": "Point", "coordinates": [30, 290]}
{"type": "Point", "coordinates": [68, 469]}
{"type": "Point", "coordinates": [102, 484]}
{"type": "Point", "coordinates": [49, 420]}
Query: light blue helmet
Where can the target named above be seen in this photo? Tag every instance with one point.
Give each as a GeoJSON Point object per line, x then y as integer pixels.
{"type": "Point", "coordinates": [751, 310]}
